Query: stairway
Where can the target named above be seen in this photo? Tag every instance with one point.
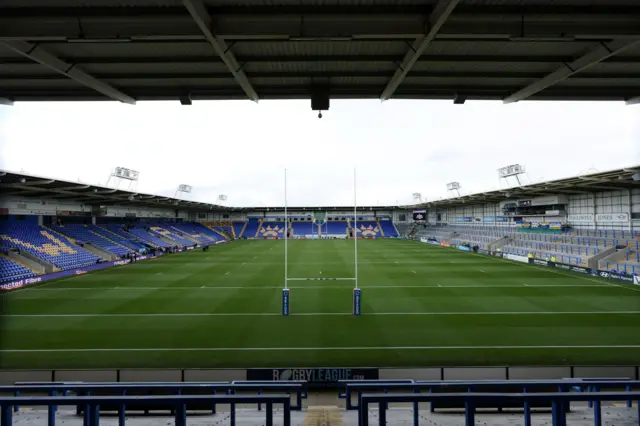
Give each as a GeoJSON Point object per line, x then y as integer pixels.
{"type": "Point", "coordinates": [243, 229]}
{"type": "Point", "coordinates": [259, 228]}
{"type": "Point", "coordinates": [217, 231]}
{"type": "Point", "coordinates": [379, 227]}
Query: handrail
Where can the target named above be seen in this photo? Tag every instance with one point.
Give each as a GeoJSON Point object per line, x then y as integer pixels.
{"type": "Point", "coordinates": [178, 387]}
{"type": "Point", "coordinates": [558, 403]}
{"type": "Point", "coordinates": [179, 402]}
{"type": "Point", "coordinates": [563, 385]}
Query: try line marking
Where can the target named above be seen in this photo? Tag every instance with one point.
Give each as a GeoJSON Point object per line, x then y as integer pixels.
{"type": "Point", "coordinates": [97, 288]}
{"type": "Point", "coordinates": [336, 348]}
{"type": "Point", "coordinates": [314, 314]}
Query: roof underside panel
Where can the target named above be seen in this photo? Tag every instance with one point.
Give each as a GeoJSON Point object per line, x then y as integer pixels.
{"type": "Point", "coordinates": [154, 49]}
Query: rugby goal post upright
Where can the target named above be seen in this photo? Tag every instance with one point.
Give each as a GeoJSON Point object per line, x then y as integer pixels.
{"type": "Point", "coordinates": [357, 292]}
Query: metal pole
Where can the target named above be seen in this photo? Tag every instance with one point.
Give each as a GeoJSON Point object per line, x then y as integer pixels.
{"type": "Point", "coordinates": [286, 232]}
{"type": "Point", "coordinates": [355, 222]}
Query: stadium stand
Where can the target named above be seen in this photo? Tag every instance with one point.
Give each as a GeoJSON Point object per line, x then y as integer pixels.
{"type": "Point", "coordinates": [239, 228]}
{"type": "Point", "coordinates": [198, 232]}
{"type": "Point", "coordinates": [87, 234]}
{"type": "Point", "coordinates": [368, 229]}
{"type": "Point", "coordinates": [271, 230]}
{"type": "Point", "coordinates": [251, 228]}
{"type": "Point", "coordinates": [337, 228]}
{"type": "Point", "coordinates": [388, 229]}
{"type": "Point", "coordinates": [116, 232]}
{"type": "Point", "coordinates": [301, 229]}
{"type": "Point", "coordinates": [149, 237]}
{"type": "Point", "coordinates": [46, 244]}
{"type": "Point", "coordinates": [164, 231]}
{"type": "Point", "coordinates": [10, 271]}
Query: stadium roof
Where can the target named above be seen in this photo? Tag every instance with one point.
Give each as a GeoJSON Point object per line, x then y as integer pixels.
{"type": "Point", "coordinates": [614, 180]}
{"type": "Point", "coordinates": [130, 50]}
{"type": "Point", "coordinates": [29, 186]}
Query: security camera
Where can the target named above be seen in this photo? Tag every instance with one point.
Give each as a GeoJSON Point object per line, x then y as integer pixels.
{"type": "Point", "coordinates": [320, 114]}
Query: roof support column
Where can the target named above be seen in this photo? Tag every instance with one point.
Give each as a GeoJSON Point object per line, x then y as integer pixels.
{"type": "Point", "coordinates": [438, 16]}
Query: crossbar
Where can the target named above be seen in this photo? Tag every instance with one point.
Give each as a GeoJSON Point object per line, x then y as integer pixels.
{"type": "Point", "coordinates": [558, 400]}
{"type": "Point", "coordinates": [321, 279]}
{"type": "Point", "coordinates": [178, 402]}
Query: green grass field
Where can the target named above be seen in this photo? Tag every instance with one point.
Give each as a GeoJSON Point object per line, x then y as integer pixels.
{"type": "Point", "coordinates": [422, 305]}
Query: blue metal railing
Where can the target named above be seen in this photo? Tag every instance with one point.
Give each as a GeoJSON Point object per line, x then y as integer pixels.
{"type": "Point", "coordinates": [558, 403]}
{"type": "Point", "coordinates": [91, 404]}
{"type": "Point", "coordinates": [562, 386]}
{"type": "Point", "coordinates": [179, 388]}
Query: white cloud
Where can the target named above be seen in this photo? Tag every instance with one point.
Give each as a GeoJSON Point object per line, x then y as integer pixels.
{"type": "Point", "coordinates": [240, 149]}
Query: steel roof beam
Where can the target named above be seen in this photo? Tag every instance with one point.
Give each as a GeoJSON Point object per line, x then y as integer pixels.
{"type": "Point", "coordinates": [437, 18]}
{"type": "Point", "coordinates": [40, 55]}
{"type": "Point", "coordinates": [6, 101]}
{"type": "Point", "coordinates": [593, 57]}
{"type": "Point", "coordinates": [202, 18]}
{"type": "Point", "coordinates": [633, 101]}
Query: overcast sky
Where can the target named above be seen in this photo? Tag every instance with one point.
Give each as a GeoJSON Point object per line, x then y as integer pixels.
{"type": "Point", "coordinates": [241, 149]}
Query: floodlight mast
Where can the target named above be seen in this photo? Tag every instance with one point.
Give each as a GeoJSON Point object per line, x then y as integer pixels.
{"type": "Point", "coordinates": [120, 174]}
{"type": "Point", "coordinates": [454, 186]}
{"type": "Point", "coordinates": [514, 170]}
{"type": "Point", "coordinates": [182, 189]}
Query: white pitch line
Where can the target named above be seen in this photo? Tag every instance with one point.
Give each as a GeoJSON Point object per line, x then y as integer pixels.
{"type": "Point", "coordinates": [413, 271]}
{"type": "Point", "coordinates": [320, 314]}
{"type": "Point", "coordinates": [328, 287]}
{"type": "Point", "coordinates": [325, 348]}
{"type": "Point", "coordinates": [482, 271]}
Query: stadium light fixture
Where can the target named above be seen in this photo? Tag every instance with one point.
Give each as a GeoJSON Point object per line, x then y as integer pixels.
{"type": "Point", "coordinates": [120, 174]}
{"type": "Point", "coordinates": [513, 170]}
{"type": "Point", "coordinates": [183, 189]}
{"type": "Point", "coordinates": [454, 186]}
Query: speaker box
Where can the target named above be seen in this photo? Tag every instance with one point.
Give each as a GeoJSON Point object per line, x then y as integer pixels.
{"type": "Point", "coordinates": [320, 99]}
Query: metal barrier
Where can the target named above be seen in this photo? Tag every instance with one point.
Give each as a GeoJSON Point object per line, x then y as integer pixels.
{"type": "Point", "coordinates": [566, 385]}
{"type": "Point", "coordinates": [558, 413]}
{"type": "Point", "coordinates": [178, 402]}
{"type": "Point", "coordinates": [179, 388]}
{"type": "Point", "coordinates": [342, 393]}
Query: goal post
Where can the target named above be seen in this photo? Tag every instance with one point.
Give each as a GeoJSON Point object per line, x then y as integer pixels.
{"type": "Point", "coordinates": [321, 217]}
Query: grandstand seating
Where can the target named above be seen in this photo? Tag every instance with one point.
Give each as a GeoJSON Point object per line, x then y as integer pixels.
{"type": "Point", "coordinates": [87, 234]}
{"type": "Point", "coordinates": [11, 271]}
{"type": "Point", "coordinates": [237, 229]}
{"type": "Point", "coordinates": [629, 264]}
{"type": "Point", "coordinates": [198, 232]}
{"type": "Point", "coordinates": [304, 228]}
{"type": "Point", "coordinates": [165, 231]}
{"type": "Point", "coordinates": [575, 247]}
{"type": "Point", "coordinates": [271, 230]}
{"type": "Point", "coordinates": [140, 232]}
{"type": "Point", "coordinates": [335, 228]}
{"type": "Point", "coordinates": [388, 228]}
{"type": "Point", "coordinates": [47, 245]}
{"type": "Point", "coordinates": [367, 228]}
{"type": "Point", "coordinates": [115, 232]}
{"type": "Point", "coordinates": [251, 229]}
